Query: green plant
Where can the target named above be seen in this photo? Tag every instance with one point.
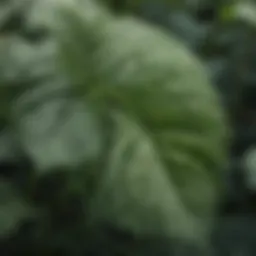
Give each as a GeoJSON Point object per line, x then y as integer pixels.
{"type": "Point", "coordinates": [135, 135]}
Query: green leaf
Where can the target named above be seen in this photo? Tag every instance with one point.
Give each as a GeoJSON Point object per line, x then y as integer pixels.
{"type": "Point", "coordinates": [22, 66]}
{"type": "Point", "coordinates": [135, 192]}
{"type": "Point", "coordinates": [52, 128]}
{"type": "Point", "coordinates": [244, 11]}
{"type": "Point", "coordinates": [57, 131]}
{"type": "Point", "coordinates": [170, 135]}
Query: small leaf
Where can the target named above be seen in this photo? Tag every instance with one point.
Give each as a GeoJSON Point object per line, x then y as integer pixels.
{"type": "Point", "coordinates": [58, 132]}
{"type": "Point", "coordinates": [244, 11]}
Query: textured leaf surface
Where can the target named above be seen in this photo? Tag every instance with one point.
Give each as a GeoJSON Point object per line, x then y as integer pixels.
{"type": "Point", "coordinates": [170, 123]}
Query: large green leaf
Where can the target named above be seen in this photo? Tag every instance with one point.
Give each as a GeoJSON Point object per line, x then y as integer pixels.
{"type": "Point", "coordinates": [170, 131]}
{"type": "Point", "coordinates": [135, 193]}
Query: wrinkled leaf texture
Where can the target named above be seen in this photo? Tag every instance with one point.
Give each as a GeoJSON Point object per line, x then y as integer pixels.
{"type": "Point", "coordinates": [168, 141]}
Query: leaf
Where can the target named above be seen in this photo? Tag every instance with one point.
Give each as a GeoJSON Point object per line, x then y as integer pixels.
{"type": "Point", "coordinates": [244, 11]}
{"type": "Point", "coordinates": [135, 193]}
{"type": "Point", "coordinates": [57, 132]}
{"type": "Point", "coordinates": [170, 133]}
{"type": "Point", "coordinates": [53, 129]}
{"type": "Point", "coordinates": [22, 65]}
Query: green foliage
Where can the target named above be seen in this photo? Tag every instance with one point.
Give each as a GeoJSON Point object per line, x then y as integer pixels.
{"type": "Point", "coordinates": [164, 111]}
{"type": "Point", "coordinates": [244, 11]}
{"type": "Point", "coordinates": [124, 118]}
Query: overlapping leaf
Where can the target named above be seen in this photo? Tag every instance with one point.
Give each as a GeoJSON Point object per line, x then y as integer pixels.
{"type": "Point", "coordinates": [167, 118]}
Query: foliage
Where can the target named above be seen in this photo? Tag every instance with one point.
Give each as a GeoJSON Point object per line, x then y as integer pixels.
{"type": "Point", "coordinates": [113, 128]}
